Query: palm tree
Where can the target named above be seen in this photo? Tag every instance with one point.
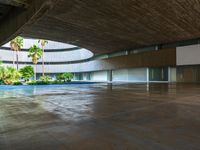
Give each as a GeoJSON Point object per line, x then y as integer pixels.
{"type": "Point", "coordinates": [16, 45]}
{"type": "Point", "coordinates": [43, 43]}
{"type": "Point", "coordinates": [35, 53]}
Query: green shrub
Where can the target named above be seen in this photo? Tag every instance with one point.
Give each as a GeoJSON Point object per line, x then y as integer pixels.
{"type": "Point", "coordinates": [42, 83]}
{"type": "Point", "coordinates": [45, 78]}
{"type": "Point", "coordinates": [59, 77]}
{"type": "Point", "coordinates": [32, 82]}
{"type": "Point", "coordinates": [17, 83]}
{"type": "Point", "coordinates": [9, 75]}
{"type": "Point", "coordinates": [64, 77]}
{"type": "Point", "coordinates": [27, 72]}
{"type": "Point", "coordinates": [38, 83]}
{"type": "Point", "coordinates": [57, 82]}
{"type": "Point", "coordinates": [1, 82]}
{"type": "Point", "coordinates": [67, 76]}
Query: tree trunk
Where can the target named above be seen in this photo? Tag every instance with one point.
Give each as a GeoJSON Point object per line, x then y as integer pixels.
{"type": "Point", "coordinates": [17, 60]}
{"type": "Point", "coordinates": [13, 59]}
{"type": "Point", "coordinates": [35, 72]}
{"type": "Point", "coordinates": [43, 61]}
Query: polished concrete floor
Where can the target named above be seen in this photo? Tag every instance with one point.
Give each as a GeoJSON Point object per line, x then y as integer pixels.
{"type": "Point", "coordinates": [102, 117]}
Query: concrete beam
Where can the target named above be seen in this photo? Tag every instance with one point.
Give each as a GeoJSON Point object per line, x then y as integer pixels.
{"type": "Point", "coordinates": [17, 19]}
{"type": "Point", "coordinates": [15, 3]}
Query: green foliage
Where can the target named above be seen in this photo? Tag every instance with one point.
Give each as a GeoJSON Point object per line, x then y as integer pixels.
{"type": "Point", "coordinates": [57, 82]}
{"type": "Point", "coordinates": [59, 77]}
{"type": "Point", "coordinates": [43, 42]}
{"type": "Point", "coordinates": [35, 82]}
{"type": "Point", "coordinates": [45, 78]}
{"type": "Point", "coordinates": [64, 77]}
{"type": "Point", "coordinates": [8, 75]}
{"type": "Point", "coordinates": [17, 43]}
{"type": "Point", "coordinates": [17, 83]}
{"type": "Point", "coordinates": [35, 53]}
{"type": "Point", "coordinates": [27, 72]}
{"type": "Point", "coordinates": [68, 76]}
{"type": "Point", "coordinates": [1, 82]}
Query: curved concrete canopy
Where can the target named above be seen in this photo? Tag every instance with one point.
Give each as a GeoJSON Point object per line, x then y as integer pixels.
{"type": "Point", "coordinates": [55, 52]}
{"type": "Point", "coordinates": [106, 25]}
{"type": "Point", "coordinates": [51, 45]}
{"type": "Point", "coordinates": [60, 57]}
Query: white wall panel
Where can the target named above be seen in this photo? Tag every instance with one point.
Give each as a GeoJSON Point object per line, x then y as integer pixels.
{"type": "Point", "coordinates": [50, 45]}
{"type": "Point", "coordinates": [137, 75]}
{"type": "Point", "coordinates": [99, 76]}
{"type": "Point", "coordinates": [172, 74]}
{"type": "Point", "coordinates": [133, 75]}
{"type": "Point", "coordinates": [80, 54]}
{"type": "Point", "coordinates": [188, 55]}
{"type": "Point", "coordinates": [120, 75]}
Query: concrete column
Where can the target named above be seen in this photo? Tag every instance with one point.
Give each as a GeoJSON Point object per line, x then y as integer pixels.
{"type": "Point", "coordinates": [109, 75]}
{"type": "Point", "coordinates": [169, 74]}
{"type": "Point", "coordinates": [127, 52]}
{"type": "Point", "coordinates": [172, 74]}
{"type": "Point", "coordinates": [147, 75]}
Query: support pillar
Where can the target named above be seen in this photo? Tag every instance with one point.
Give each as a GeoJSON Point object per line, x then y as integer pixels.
{"type": "Point", "coordinates": [109, 75]}
{"type": "Point", "coordinates": [169, 74]}
{"type": "Point", "coordinates": [147, 75]}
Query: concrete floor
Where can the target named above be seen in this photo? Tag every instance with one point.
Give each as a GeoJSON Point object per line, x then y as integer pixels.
{"type": "Point", "coordinates": [103, 117]}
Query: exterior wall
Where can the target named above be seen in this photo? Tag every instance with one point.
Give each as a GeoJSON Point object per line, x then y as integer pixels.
{"type": "Point", "coordinates": [53, 45]}
{"type": "Point", "coordinates": [120, 75]}
{"type": "Point", "coordinates": [165, 57]}
{"type": "Point", "coordinates": [188, 63]}
{"type": "Point", "coordinates": [158, 74]}
{"type": "Point", "coordinates": [188, 73]}
{"type": "Point", "coordinates": [137, 75]}
{"type": "Point", "coordinates": [172, 74]}
{"type": "Point", "coordinates": [99, 76]}
{"type": "Point", "coordinates": [132, 75]}
{"type": "Point", "coordinates": [130, 68]}
{"type": "Point", "coordinates": [64, 56]}
{"type": "Point", "coordinates": [188, 55]}
{"type": "Point", "coordinates": [86, 76]}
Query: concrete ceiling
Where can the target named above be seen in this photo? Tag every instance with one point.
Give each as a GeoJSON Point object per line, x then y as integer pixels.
{"type": "Point", "coordinates": [15, 3]}
{"type": "Point", "coordinates": [4, 11]}
{"type": "Point", "coordinates": [107, 25]}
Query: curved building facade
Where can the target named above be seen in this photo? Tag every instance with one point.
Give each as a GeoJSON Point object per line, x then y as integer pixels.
{"type": "Point", "coordinates": [58, 57]}
{"type": "Point", "coordinates": [127, 65]}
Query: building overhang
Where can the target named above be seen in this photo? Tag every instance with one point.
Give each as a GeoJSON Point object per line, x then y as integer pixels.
{"type": "Point", "coordinates": [107, 25]}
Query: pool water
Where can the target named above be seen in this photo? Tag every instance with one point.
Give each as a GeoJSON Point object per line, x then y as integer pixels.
{"type": "Point", "coordinates": [7, 91]}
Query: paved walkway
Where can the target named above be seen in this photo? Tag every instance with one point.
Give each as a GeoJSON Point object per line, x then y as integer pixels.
{"type": "Point", "coordinates": [103, 117]}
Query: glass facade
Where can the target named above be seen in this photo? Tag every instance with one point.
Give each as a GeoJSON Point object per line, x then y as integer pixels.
{"type": "Point", "coordinates": [158, 74]}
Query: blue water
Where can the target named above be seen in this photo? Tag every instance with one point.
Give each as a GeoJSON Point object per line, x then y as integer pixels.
{"type": "Point", "coordinates": [7, 91]}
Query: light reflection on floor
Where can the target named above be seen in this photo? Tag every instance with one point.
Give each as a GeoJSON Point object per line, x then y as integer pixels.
{"type": "Point", "coordinates": [100, 116]}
